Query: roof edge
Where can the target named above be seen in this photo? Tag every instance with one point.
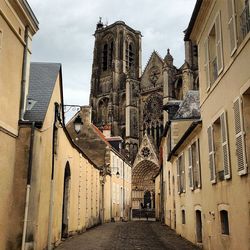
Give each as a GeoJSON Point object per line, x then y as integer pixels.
{"type": "Point", "coordinates": [192, 20]}
{"type": "Point", "coordinates": [184, 137]}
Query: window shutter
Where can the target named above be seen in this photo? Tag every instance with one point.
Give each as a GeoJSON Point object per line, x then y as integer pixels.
{"type": "Point", "coordinates": [178, 176]}
{"type": "Point", "coordinates": [219, 50]}
{"type": "Point", "coordinates": [211, 154]}
{"type": "Point", "coordinates": [183, 173]}
{"type": "Point", "coordinates": [190, 169]}
{"type": "Point", "coordinates": [1, 38]}
{"type": "Point", "coordinates": [198, 162]}
{"type": "Point", "coordinates": [240, 137]}
{"type": "Point", "coordinates": [206, 63]}
{"type": "Point", "coordinates": [232, 25]}
{"type": "Point", "coordinates": [225, 146]}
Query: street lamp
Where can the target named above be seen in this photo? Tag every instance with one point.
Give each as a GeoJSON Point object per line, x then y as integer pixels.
{"type": "Point", "coordinates": [78, 124]}
{"type": "Point", "coordinates": [117, 173]}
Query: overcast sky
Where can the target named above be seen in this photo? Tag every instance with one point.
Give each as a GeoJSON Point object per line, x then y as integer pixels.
{"type": "Point", "coordinates": [67, 28]}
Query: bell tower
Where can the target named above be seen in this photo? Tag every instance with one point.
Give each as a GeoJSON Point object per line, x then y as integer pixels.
{"type": "Point", "coordinates": [116, 57]}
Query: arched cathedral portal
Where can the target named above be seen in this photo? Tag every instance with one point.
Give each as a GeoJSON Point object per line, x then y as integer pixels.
{"type": "Point", "coordinates": [145, 167]}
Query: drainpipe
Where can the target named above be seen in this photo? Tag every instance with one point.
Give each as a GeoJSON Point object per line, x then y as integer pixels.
{"type": "Point", "coordinates": [162, 194]}
{"type": "Point", "coordinates": [26, 211]}
{"type": "Point", "coordinates": [52, 185]}
{"type": "Point", "coordinates": [24, 73]}
{"type": "Point", "coordinates": [123, 195]}
{"type": "Point", "coordinates": [111, 196]}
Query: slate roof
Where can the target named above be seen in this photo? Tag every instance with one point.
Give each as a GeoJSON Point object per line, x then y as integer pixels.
{"type": "Point", "coordinates": [190, 107]}
{"type": "Point", "coordinates": [42, 82]}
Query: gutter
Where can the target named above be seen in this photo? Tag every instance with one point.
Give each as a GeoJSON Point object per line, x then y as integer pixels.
{"type": "Point", "coordinates": [183, 138]}
{"type": "Point", "coordinates": [192, 20]}
{"type": "Point", "coordinates": [28, 188]}
{"type": "Point", "coordinates": [31, 13]}
{"type": "Point", "coordinates": [167, 126]}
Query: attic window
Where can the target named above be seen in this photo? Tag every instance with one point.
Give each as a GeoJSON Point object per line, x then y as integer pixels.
{"type": "Point", "coordinates": [30, 104]}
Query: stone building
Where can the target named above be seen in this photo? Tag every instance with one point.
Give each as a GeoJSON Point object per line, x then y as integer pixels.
{"type": "Point", "coordinates": [205, 175]}
{"type": "Point", "coordinates": [115, 175]}
{"type": "Point", "coordinates": [131, 101]}
{"type": "Point", "coordinates": [56, 186]}
{"type": "Point", "coordinates": [18, 25]}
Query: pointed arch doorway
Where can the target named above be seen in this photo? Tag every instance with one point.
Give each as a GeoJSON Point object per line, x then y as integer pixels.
{"type": "Point", "coordinates": [145, 168]}
{"type": "Point", "coordinates": [65, 205]}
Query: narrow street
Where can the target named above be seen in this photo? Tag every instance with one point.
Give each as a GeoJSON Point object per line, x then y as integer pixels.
{"type": "Point", "coordinates": [127, 235]}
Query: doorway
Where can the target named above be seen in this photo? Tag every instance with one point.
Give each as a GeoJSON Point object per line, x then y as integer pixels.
{"type": "Point", "coordinates": [147, 199]}
{"type": "Point", "coordinates": [65, 207]}
{"type": "Point", "coordinates": [198, 226]}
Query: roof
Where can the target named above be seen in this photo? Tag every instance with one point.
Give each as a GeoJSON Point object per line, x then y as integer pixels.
{"type": "Point", "coordinates": [187, 133]}
{"type": "Point", "coordinates": [153, 54]}
{"type": "Point", "coordinates": [42, 82]}
{"type": "Point", "coordinates": [100, 134]}
{"type": "Point", "coordinates": [118, 23]}
{"type": "Point", "coordinates": [31, 13]}
{"type": "Point", "coordinates": [189, 29]}
{"type": "Point", "coordinates": [190, 107]}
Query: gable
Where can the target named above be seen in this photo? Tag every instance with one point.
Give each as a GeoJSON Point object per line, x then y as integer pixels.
{"type": "Point", "coordinates": [147, 151]}
{"type": "Point", "coordinates": [153, 74]}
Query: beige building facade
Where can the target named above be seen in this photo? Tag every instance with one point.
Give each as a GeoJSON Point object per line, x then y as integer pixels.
{"type": "Point", "coordinates": [17, 27]}
{"type": "Point", "coordinates": [121, 187]}
{"type": "Point", "coordinates": [115, 172]}
{"type": "Point", "coordinates": [206, 175]}
{"type": "Point", "coordinates": [57, 187]}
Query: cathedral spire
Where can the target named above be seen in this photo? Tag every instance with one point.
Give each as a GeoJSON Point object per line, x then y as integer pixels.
{"type": "Point", "coordinates": [168, 58]}
{"type": "Point", "coordinates": [99, 25]}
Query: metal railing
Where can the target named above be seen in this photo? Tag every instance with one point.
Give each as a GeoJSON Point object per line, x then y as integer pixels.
{"type": "Point", "coordinates": [143, 213]}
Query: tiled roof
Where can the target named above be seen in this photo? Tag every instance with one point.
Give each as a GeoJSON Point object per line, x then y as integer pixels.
{"type": "Point", "coordinates": [190, 107]}
{"type": "Point", "coordinates": [42, 82]}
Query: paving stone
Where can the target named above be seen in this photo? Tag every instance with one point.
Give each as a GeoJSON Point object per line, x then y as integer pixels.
{"type": "Point", "coordinates": [133, 235]}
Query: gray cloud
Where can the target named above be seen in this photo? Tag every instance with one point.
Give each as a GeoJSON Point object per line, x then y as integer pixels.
{"type": "Point", "coordinates": [67, 27]}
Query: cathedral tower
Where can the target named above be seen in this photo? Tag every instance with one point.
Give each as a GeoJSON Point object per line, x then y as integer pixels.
{"type": "Point", "coordinates": [116, 57]}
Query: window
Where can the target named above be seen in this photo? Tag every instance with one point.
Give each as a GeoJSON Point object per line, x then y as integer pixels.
{"type": "Point", "coordinates": [183, 216]}
{"type": "Point", "coordinates": [218, 147]}
{"type": "Point", "coordinates": [130, 56]}
{"type": "Point", "coordinates": [213, 64]}
{"type": "Point", "coordinates": [111, 54]}
{"type": "Point", "coordinates": [245, 19]}
{"type": "Point", "coordinates": [181, 174]}
{"type": "Point", "coordinates": [240, 134]}
{"type": "Point", "coordinates": [105, 57]}
{"type": "Point", "coordinates": [232, 25]}
{"type": "Point", "coordinates": [224, 222]}
{"type": "Point", "coordinates": [194, 170]}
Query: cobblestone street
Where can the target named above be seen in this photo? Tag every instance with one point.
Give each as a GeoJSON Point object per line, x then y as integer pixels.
{"type": "Point", "coordinates": [127, 235]}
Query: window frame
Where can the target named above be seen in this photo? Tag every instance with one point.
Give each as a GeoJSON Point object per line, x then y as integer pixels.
{"type": "Point", "coordinates": [207, 59]}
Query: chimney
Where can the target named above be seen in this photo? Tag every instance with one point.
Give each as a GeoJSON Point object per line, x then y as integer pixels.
{"type": "Point", "coordinates": [86, 114]}
{"type": "Point", "coordinates": [106, 131]}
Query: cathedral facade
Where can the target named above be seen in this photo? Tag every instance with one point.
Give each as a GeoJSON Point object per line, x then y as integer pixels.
{"type": "Point", "coordinates": [130, 101]}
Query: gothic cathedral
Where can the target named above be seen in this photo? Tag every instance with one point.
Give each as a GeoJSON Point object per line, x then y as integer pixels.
{"type": "Point", "coordinates": [130, 101]}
